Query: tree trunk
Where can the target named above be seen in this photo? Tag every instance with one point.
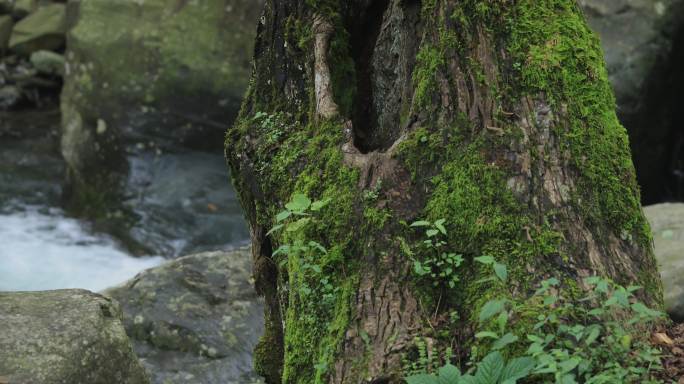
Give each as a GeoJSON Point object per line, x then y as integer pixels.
{"type": "Point", "coordinates": [494, 115]}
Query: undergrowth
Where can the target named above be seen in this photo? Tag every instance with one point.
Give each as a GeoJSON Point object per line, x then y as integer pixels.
{"type": "Point", "coordinates": [595, 340]}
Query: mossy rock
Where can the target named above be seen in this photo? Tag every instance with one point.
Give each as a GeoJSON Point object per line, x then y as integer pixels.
{"type": "Point", "coordinates": [188, 61]}
{"type": "Point", "coordinates": [6, 24]}
{"type": "Point", "coordinates": [43, 29]}
{"type": "Point", "coordinates": [195, 319]}
{"type": "Point", "coordinates": [65, 336]}
{"type": "Point", "coordinates": [166, 72]}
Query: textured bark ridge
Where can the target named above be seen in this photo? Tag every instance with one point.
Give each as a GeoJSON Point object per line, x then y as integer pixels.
{"type": "Point", "coordinates": [496, 116]}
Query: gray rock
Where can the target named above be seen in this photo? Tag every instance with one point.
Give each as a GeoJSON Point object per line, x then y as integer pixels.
{"type": "Point", "coordinates": [48, 63]}
{"type": "Point", "coordinates": [634, 35]}
{"type": "Point", "coordinates": [65, 336]}
{"type": "Point", "coordinates": [187, 65]}
{"type": "Point", "coordinates": [195, 319]}
{"type": "Point", "coordinates": [667, 224]}
{"type": "Point", "coordinates": [10, 95]}
{"type": "Point", "coordinates": [22, 8]}
{"type": "Point", "coordinates": [43, 29]}
{"type": "Point", "coordinates": [6, 24]}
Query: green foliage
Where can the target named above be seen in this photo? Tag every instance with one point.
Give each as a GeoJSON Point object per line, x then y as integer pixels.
{"type": "Point", "coordinates": [493, 369]}
{"type": "Point", "coordinates": [595, 339]}
{"type": "Point", "coordinates": [438, 266]}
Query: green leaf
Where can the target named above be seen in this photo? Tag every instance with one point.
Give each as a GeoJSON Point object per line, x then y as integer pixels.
{"type": "Point", "coordinates": [486, 260]}
{"type": "Point", "coordinates": [439, 224]}
{"type": "Point", "coordinates": [299, 203]}
{"type": "Point", "coordinates": [449, 374]}
{"type": "Point", "coordinates": [320, 204]}
{"type": "Point", "coordinates": [517, 369]}
{"type": "Point", "coordinates": [277, 227]}
{"type": "Point", "coordinates": [422, 379]}
{"type": "Point", "coordinates": [502, 320]}
{"type": "Point", "coordinates": [283, 249]}
{"type": "Point", "coordinates": [485, 280]}
{"type": "Point", "coordinates": [318, 246]}
{"type": "Point", "coordinates": [568, 365]}
{"type": "Point", "coordinates": [297, 225]}
{"type": "Point", "coordinates": [431, 232]}
{"type": "Point", "coordinates": [491, 308]}
{"type": "Point", "coordinates": [490, 368]}
{"type": "Point", "coordinates": [421, 223]}
{"type": "Point", "coordinates": [593, 335]}
{"type": "Point", "coordinates": [504, 341]}
{"type": "Point", "coordinates": [501, 271]}
{"type": "Point", "coordinates": [283, 215]}
{"type": "Point", "coordinates": [486, 334]}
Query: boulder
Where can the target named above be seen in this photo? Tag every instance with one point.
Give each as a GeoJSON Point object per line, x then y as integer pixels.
{"type": "Point", "coordinates": [667, 224]}
{"type": "Point", "coordinates": [643, 42]}
{"type": "Point", "coordinates": [22, 8]}
{"type": "Point", "coordinates": [43, 29]}
{"type": "Point", "coordinates": [195, 319]}
{"type": "Point", "coordinates": [48, 63]}
{"type": "Point", "coordinates": [10, 96]}
{"type": "Point", "coordinates": [166, 72]}
{"type": "Point", "coordinates": [65, 336]}
{"type": "Point", "coordinates": [6, 24]}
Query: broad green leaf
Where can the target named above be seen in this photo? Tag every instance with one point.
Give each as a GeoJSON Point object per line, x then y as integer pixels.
{"type": "Point", "coordinates": [517, 369]}
{"type": "Point", "coordinates": [593, 335]}
{"type": "Point", "coordinates": [501, 271]}
{"type": "Point", "coordinates": [504, 341]}
{"type": "Point", "coordinates": [431, 232]}
{"type": "Point", "coordinates": [490, 368]}
{"type": "Point", "coordinates": [486, 334]}
{"type": "Point", "coordinates": [283, 249]}
{"type": "Point", "coordinates": [449, 374]}
{"type": "Point", "coordinates": [299, 203]}
{"type": "Point", "coordinates": [502, 320]}
{"type": "Point", "coordinates": [439, 224]}
{"type": "Point", "coordinates": [491, 308]}
{"type": "Point", "coordinates": [422, 379]}
{"type": "Point", "coordinates": [468, 379]}
{"type": "Point", "coordinates": [320, 204]}
{"type": "Point", "coordinates": [283, 215]}
{"type": "Point", "coordinates": [568, 365]}
{"type": "Point", "coordinates": [486, 260]}
{"type": "Point", "coordinates": [421, 223]}
{"type": "Point", "coordinates": [297, 225]}
{"type": "Point", "coordinates": [318, 246]}
{"type": "Point", "coordinates": [277, 227]}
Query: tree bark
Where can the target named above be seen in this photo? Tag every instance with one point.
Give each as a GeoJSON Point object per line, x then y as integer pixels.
{"type": "Point", "coordinates": [496, 116]}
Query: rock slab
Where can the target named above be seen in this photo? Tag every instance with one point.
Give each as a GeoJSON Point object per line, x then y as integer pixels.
{"type": "Point", "coordinates": [667, 224]}
{"type": "Point", "coordinates": [65, 336]}
{"type": "Point", "coordinates": [195, 319]}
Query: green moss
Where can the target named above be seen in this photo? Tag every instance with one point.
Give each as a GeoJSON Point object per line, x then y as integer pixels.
{"type": "Point", "coordinates": [551, 54]}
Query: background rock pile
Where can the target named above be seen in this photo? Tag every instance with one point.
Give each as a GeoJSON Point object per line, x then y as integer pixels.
{"type": "Point", "coordinates": [32, 40]}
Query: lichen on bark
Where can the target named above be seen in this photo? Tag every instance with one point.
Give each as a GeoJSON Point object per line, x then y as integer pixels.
{"type": "Point", "coordinates": [499, 119]}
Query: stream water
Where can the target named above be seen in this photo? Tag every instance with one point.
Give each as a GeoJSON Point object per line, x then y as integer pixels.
{"type": "Point", "coordinates": [182, 198]}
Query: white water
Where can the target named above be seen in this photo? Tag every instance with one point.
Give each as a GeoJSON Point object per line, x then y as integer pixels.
{"type": "Point", "coordinates": [42, 249]}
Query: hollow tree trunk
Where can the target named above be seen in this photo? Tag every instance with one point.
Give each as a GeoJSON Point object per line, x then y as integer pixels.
{"type": "Point", "coordinates": [496, 116]}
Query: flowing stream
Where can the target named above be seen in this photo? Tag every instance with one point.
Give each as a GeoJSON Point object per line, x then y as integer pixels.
{"type": "Point", "coordinates": [182, 198]}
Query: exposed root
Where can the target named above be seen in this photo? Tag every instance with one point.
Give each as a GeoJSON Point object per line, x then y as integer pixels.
{"type": "Point", "coordinates": [326, 107]}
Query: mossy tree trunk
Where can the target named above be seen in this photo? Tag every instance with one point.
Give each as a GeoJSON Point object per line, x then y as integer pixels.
{"type": "Point", "coordinates": [494, 115]}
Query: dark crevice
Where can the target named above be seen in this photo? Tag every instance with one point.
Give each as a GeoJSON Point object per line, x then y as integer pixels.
{"type": "Point", "coordinates": [364, 25]}
{"type": "Point", "coordinates": [657, 130]}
